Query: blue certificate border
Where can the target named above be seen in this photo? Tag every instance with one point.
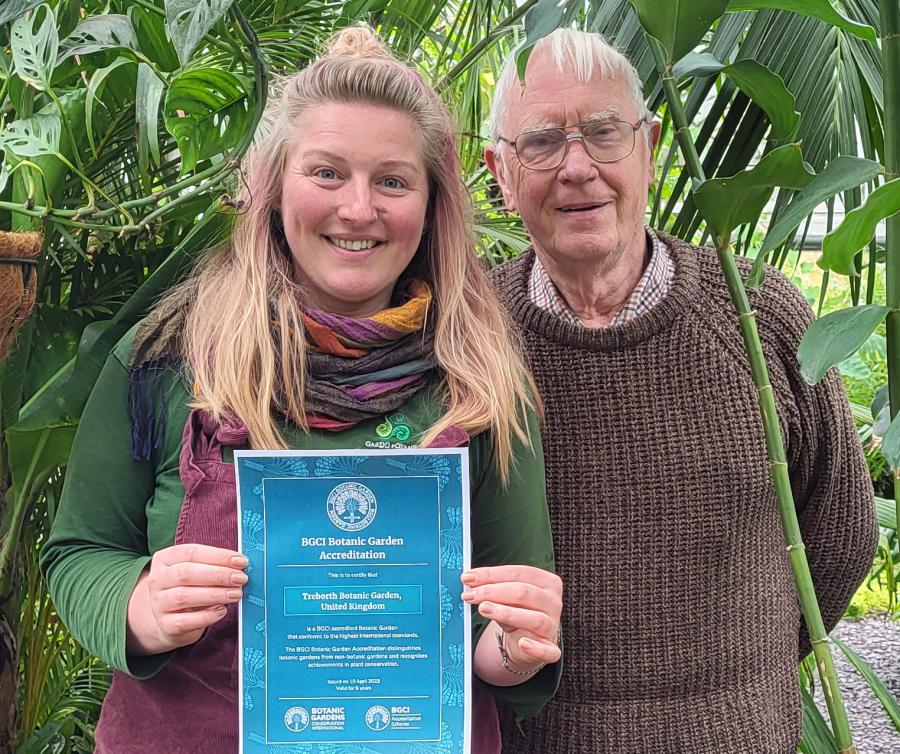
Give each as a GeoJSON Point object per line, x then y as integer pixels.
{"type": "Point", "coordinates": [270, 737]}
{"type": "Point", "coordinates": [252, 468]}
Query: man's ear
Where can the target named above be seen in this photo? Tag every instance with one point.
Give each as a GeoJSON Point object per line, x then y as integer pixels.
{"type": "Point", "coordinates": [655, 130]}
{"type": "Point", "coordinates": [495, 164]}
{"type": "Point", "coordinates": [653, 133]}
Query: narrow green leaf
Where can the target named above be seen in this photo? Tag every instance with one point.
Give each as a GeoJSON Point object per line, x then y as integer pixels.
{"type": "Point", "coordinates": [879, 401]}
{"type": "Point", "coordinates": [47, 738]}
{"type": "Point", "coordinates": [765, 88]}
{"type": "Point", "coordinates": [678, 24]}
{"type": "Point", "coordinates": [10, 10]}
{"type": "Point", "coordinates": [815, 737]}
{"type": "Point", "coordinates": [886, 512]}
{"type": "Point", "coordinates": [353, 10]}
{"type": "Point", "coordinates": [147, 96]}
{"type": "Point", "coordinates": [93, 91]}
{"type": "Point", "coordinates": [882, 421]}
{"type": "Point", "coordinates": [841, 245]}
{"type": "Point", "coordinates": [697, 64]}
{"type": "Point", "coordinates": [98, 33]}
{"type": "Point", "coordinates": [153, 38]}
{"type": "Point", "coordinates": [728, 202]}
{"type": "Point", "coordinates": [821, 9]}
{"type": "Point", "coordinates": [832, 338]}
{"type": "Point", "coordinates": [841, 174]}
{"type": "Point", "coordinates": [878, 687]}
{"type": "Point", "coordinates": [34, 49]}
{"type": "Point", "coordinates": [189, 20]}
{"type": "Point", "coordinates": [890, 443]}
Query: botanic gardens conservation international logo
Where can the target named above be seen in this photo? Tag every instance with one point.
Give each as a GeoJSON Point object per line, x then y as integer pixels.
{"type": "Point", "coordinates": [296, 719]}
{"type": "Point", "coordinates": [351, 506]}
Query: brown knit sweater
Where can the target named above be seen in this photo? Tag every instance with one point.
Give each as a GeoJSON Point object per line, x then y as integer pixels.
{"type": "Point", "coordinates": [681, 623]}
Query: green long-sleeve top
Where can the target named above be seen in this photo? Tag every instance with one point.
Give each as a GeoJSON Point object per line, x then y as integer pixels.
{"type": "Point", "coordinates": [115, 512]}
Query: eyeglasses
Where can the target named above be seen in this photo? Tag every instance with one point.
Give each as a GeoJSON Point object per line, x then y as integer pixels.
{"type": "Point", "coordinates": [603, 140]}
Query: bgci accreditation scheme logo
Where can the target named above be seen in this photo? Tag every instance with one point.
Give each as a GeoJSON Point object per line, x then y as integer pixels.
{"type": "Point", "coordinates": [351, 506]}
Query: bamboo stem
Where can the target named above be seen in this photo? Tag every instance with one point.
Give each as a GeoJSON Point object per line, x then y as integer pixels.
{"type": "Point", "coordinates": [771, 427]}
{"type": "Point", "coordinates": [890, 55]}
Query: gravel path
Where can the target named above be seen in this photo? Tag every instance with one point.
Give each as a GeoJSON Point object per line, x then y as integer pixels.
{"type": "Point", "coordinates": [877, 641]}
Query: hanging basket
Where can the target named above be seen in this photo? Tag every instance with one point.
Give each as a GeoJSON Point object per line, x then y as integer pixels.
{"type": "Point", "coordinates": [19, 254]}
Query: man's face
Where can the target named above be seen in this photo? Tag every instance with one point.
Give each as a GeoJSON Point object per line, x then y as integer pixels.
{"type": "Point", "coordinates": [583, 210]}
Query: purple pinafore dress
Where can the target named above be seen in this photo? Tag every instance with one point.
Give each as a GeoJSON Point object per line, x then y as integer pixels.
{"type": "Point", "coordinates": [191, 705]}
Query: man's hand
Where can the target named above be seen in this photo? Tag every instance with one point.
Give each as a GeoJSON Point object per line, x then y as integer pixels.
{"type": "Point", "coordinates": [525, 603]}
{"type": "Point", "coordinates": [186, 589]}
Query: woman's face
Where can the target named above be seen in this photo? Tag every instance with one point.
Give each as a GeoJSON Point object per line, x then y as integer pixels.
{"type": "Point", "coordinates": [353, 201]}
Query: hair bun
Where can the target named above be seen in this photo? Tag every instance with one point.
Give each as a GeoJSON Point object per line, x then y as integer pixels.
{"type": "Point", "coordinates": [357, 42]}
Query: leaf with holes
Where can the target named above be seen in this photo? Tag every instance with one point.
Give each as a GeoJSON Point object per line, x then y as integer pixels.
{"type": "Point", "coordinates": [37, 136]}
{"type": "Point", "coordinates": [858, 227]}
{"type": "Point", "coordinates": [99, 33]}
{"type": "Point", "coordinates": [832, 338]}
{"type": "Point", "coordinates": [34, 42]}
{"type": "Point", "coordinates": [13, 9]}
{"type": "Point", "coordinates": [207, 112]}
{"type": "Point", "coordinates": [189, 20]}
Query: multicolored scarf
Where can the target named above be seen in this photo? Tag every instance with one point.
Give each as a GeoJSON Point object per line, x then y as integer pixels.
{"type": "Point", "coordinates": [357, 368]}
{"type": "Point", "coordinates": [360, 369]}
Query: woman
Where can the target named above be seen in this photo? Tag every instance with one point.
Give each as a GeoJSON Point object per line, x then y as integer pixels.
{"type": "Point", "coordinates": [353, 256]}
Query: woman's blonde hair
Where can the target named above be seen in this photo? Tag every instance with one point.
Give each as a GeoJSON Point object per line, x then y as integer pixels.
{"type": "Point", "coordinates": [241, 293]}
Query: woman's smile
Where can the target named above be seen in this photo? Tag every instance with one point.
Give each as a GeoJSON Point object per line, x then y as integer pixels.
{"type": "Point", "coordinates": [353, 244]}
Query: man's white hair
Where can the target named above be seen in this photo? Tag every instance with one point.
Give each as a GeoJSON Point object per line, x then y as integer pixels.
{"type": "Point", "coordinates": [587, 53]}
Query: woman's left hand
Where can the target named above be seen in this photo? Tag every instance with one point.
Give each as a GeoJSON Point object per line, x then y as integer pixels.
{"type": "Point", "coordinates": [526, 603]}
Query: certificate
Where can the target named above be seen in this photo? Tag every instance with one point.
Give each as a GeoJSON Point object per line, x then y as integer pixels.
{"type": "Point", "coordinates": [353, 635]}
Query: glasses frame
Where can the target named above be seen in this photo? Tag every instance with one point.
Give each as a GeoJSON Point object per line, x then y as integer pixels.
{"type": "Point", "coordinates": [576, 136]}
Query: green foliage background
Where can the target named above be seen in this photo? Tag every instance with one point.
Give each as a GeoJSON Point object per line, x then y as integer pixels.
{"type": "Point", "coordinates": [122, 126]}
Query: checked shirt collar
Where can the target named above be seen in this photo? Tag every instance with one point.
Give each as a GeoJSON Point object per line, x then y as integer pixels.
{"type": "Point", "coordinates": [650, 290]}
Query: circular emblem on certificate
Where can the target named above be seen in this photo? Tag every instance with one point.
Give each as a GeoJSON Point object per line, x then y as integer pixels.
{"type": "Point", "coordinates": [351, 506]}
{"type": "Point", "coordinates": [296, 719]}
{"type": "Point", "coordinates": [378, 717]}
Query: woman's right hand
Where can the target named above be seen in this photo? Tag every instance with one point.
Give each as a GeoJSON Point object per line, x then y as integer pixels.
{"type": "Point", "coordinates": [185, 590]}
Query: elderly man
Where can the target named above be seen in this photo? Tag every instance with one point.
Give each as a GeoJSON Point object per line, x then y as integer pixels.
{"type": "Point", "coordinates": [682, 626]}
